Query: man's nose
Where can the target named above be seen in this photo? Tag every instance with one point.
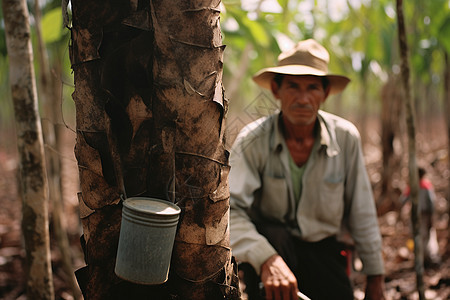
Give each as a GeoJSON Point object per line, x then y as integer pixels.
{"type": "Point", "coordinates": [301, 96]}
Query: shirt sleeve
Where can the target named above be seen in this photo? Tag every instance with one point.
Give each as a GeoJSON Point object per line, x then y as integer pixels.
{"type": "Point", "coordinates": [244, 178]}
{"type": "Point", "coordinates": [362, 215]}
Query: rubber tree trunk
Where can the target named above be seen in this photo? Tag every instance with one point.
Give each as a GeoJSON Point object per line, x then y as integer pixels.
{"type": "Point", "coordinates": [150, 122]}
{"type": "Point", "coordinates": [33, 180]}
{"type": "Point", "coordinates": [413, 169]}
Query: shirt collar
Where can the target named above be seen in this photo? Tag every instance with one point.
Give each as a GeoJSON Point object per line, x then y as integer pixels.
{"type": "Point", "coordinates": [327, 135]}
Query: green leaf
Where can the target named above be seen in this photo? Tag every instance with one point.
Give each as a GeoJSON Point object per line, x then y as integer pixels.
{"type": "Point", "coordinates": [257, 31]}
{"type": "Point", "coordinates": [444, 33]}
{"type": "Point", "coordinates": [253, 30]}
{"type": "Point", "coordinates": [52, 28]}
{"type": "Point", "coordinates": [372, 42]}
{"type": "Point", "coordinates": [283, 4]}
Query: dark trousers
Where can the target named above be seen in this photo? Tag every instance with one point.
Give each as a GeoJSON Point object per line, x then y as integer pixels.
{"type": "Point", "coordinates": [320, 267]}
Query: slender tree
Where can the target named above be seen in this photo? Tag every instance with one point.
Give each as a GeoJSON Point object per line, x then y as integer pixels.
{"type": "Point", "coordinates": [150, 122]}
{"type": "Point", "coordinates": [413, 170]}
{"type": "Point", "coordinates": [49, 99]}
{"type": "Point", "coordinates": [31, 150]}
{"type": "Point", "coordinates": [447, 110]}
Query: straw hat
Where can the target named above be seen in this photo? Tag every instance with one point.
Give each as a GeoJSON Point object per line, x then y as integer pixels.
{"type": "Point", "coordinates": [306, 58]}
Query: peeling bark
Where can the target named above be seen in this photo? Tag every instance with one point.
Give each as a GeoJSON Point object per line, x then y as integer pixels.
{"type": "Point", "coordinates": [150, 122]}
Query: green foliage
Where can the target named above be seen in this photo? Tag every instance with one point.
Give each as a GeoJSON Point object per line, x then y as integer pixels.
{"type": "Point", "coordinates": [362, 40]}
{"type": "Point", "coordinates": [57, 40]}
{"type": "Point", "coordinates": [2, 35]}
{"type": "Point", "coordinates": [5, 94]}
{"type": "Point", "coordinates": [52, 26]}
{"type": "Point", "coordinates": [444, 33]}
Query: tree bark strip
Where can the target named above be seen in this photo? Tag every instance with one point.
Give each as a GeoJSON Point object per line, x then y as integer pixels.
{"type": "Point", "coordinates": [413, 169]}
{"type": "Point", "coordinates": [150, 122]}
{"type": "Point", "coordinates": [31, 150]}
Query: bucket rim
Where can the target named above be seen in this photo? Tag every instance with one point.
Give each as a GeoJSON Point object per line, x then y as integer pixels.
{"type": "Point", "coordinates": [128, 203]}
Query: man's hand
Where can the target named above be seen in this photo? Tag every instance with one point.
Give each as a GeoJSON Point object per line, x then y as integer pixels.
{"type": "Point", "coordinates": [279, 281]}
{"type": "Point", "coordinates": [375, 288]}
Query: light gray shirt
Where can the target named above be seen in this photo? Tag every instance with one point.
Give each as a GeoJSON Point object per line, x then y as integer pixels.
{"type": "Point", "coordinates": [336, 191]}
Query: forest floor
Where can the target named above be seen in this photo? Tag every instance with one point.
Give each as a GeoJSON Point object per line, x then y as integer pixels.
{"type": "Point", "coordinates": [394, 222]}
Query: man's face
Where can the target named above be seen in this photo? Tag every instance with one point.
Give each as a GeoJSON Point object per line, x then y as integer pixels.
{"type": "Point", "coordinates": [301, 97]}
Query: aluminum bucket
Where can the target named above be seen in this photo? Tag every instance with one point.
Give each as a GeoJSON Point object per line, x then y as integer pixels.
{"type": "Point", "coordinates": [147, 234]}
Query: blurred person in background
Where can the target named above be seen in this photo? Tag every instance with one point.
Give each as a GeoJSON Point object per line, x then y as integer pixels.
{"type": "Point", "coordinates": [297, 180]}
{"type": "Point", "coordinates": [426, 198]}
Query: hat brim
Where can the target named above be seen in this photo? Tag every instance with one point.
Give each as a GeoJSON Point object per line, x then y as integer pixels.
{"type": "Point", "coordinates": [264, 77]}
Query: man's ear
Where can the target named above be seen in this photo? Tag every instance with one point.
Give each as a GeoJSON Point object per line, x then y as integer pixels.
{"type": "Point", "coordinates": [274, 87]}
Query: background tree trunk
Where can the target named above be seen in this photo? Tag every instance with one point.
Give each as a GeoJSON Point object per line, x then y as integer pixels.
{"type": "Point", "coordinates": [413, 169]}
{"type": "Point", "coordinates": [49, 99]}
{"type": "Point", "coordinates": [363, 108]}
{"type": "Point", "coordinates": [391, 110]}
{"type": "Point", "coordinates": [150, 122]}
{"type": "Point", "coordinates": [31, 150]}
{"type": "Point", "coordinates": [447, 109]}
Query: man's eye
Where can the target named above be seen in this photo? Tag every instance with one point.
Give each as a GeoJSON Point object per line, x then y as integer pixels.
{"type": "Point", "coordinates": [314, 87]}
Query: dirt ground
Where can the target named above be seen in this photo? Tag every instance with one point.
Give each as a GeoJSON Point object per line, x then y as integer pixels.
{"type": "Point", "coordinates": [400, 278]}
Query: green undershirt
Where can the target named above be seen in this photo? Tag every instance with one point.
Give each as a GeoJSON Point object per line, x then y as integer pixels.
{"type": "Point", "coordinates": [296, 177]}
{"type": "Point", "coordinates": [297, 172]}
